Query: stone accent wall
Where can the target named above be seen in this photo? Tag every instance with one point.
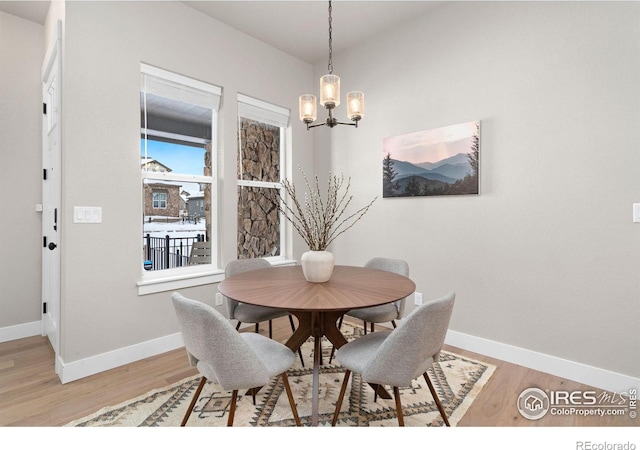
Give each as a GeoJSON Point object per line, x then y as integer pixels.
{"type": "Point", "coordinates": [258, 219]}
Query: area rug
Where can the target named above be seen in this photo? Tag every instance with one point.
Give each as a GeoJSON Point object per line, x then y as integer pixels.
{"type": "Point", "coordinates": [457, 379]}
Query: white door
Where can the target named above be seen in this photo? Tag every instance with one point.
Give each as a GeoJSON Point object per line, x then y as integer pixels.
{"type": "Point", "coordinates": [51, 186]}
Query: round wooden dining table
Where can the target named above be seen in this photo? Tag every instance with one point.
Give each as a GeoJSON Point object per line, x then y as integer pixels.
{"type": "Point", "coordinates": [317, 306]}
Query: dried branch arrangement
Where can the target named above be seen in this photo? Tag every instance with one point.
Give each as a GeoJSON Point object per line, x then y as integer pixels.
{"type": "Point", "coordinates": [319, 221]}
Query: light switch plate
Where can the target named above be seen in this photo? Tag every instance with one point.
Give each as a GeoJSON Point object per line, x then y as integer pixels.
{"type": "Point", "coordinates": [87, 214]}
{"type": "Point", "coordinates": [636, 212]}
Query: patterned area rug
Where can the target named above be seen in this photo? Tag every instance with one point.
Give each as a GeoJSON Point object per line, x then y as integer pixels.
{"type": "Point", "coordinates": [457, 379]}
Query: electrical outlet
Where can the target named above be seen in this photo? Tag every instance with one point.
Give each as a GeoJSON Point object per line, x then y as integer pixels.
{"type": "Point", "coordinates": [219, 299]}
{"type": "Point", "coordinates": [417, 298]}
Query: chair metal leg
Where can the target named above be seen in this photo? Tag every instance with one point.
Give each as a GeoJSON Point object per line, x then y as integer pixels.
{"type": "Point", "coordinates": [365, 326]}
{"type": "Point", "coordinates": [393, 322]}
{"type": "Point", "coordinates": [293, 328]}
{"type": "Point", "coordinates": [437, 399]}
{"type": "Point", "coordinates": [340, 397]}
{"type": "Point", "coordinates": [238, 326]}
{"type": "Point", "coordinates": [203, 380]}
{"type": "Point", "coordinates": [270, 330]}
{"type": "Point", "coordinates": [333, 349]}
{"type": "Point", "coordinates": [232, 408]}
{"type": "Point", "coordinates": [396, 394]}
{"type": "Point", "coordinates": [287, 387]}
{"type": "Point", "coordinates": [257, 328]}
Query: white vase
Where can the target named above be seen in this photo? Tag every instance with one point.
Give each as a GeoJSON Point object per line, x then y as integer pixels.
{"type": "Point", "coordinates": [317, 266]}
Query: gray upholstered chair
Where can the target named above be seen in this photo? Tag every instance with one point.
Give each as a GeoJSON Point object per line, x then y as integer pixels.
{"type": "Point", "coordinates": [231, 359]}
{"type": "Point", "coordinates": [245, 313]}
{"type": "Point", "coordinates": [389, 312]}
{"type": "Point", "coordinates": [398, 356]}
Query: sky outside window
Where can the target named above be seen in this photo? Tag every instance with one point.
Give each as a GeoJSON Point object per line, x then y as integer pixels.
{"type": "Point", "coordinates": [183, 159]}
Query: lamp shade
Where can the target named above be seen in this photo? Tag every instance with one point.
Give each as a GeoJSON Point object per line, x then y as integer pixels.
{"type": "Point", "coordinates": [330, 91]}
{"type": "Point", "coordinates": [355, 105]}
{"type": "Point", "coordinates": [308, 112]}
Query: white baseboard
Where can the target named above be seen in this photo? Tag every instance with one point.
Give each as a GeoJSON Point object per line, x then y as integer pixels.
{"type": "Point", "coordinates": [21, 331]}
{"type": "Point", "coordinates": [581, 373]}
{"type": "Point", "coordinates": [99, 363]}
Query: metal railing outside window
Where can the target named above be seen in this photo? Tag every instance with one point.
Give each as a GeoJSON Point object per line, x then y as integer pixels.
{"type": "Point", "coordinates": [167, 252]}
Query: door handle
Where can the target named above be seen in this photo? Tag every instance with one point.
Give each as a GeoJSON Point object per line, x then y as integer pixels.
{"type": "Point", "coordinates": [52, 246]}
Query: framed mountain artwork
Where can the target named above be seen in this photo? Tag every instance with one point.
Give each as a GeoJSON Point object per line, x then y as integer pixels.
{"type": "Point", "coordinates": [440, 161]}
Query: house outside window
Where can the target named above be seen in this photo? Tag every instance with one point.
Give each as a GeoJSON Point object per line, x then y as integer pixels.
{"type": "Point", "coordinates": [195, 205]}
{"type": "Point", "coordinates": [262, 129]}
{"type": "Point", "coordinates": [177, 116]}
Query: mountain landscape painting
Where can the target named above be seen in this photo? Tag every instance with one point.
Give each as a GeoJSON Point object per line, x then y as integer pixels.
{"type": "Point", "coordinates": [440, 161]}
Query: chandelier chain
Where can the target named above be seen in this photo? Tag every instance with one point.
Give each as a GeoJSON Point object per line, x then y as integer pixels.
{"type": "Point", "coordinates": [330, 66]}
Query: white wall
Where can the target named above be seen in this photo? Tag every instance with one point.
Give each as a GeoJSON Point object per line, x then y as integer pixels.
{"type": "Point", "coordinates": [546, 258]}
{"type": "Point", "coordinates": [21, 53]}
{"type": "Point", "coordinates": [105, 43]}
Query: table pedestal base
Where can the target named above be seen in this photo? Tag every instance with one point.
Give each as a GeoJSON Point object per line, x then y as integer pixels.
{"type": "Point", "coordinates": [318, 324]}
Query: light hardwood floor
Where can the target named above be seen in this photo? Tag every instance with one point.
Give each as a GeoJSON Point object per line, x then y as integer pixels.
{"type": "Point", "coordinates": [32, 395]}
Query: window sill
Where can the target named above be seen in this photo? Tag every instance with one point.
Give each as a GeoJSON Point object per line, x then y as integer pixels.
{"type": "Point", "coordinates": [173, 281]}
{"type": "Point", "coordinates": [276, 261]}
{"type": "Point", "coordinates": [181, 281]}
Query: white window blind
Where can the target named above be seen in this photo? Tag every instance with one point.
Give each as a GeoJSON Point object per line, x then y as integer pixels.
{"type": "Point", "coordinates": [254, 109]}
{"type": "Point", "coordinates": [179, 88]}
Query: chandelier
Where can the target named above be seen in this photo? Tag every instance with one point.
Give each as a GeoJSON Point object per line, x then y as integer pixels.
{"type": "Point", "coordinates": [330, 97]}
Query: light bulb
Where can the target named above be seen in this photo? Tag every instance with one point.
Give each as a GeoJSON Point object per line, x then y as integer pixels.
{"type": "Point", "coordinates": [330, 91]}
{"type": "Point", "coordinates": [355, 105]}
{"type": "Point", "coordinates": [307, 105]}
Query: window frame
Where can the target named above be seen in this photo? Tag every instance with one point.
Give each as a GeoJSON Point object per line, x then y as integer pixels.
{"type": "Point", "coordinates": [156, 202]}
{"type": "Point", "coordinates": [249, 108]}
{"type": "Point", "coordinates": [182, 277]}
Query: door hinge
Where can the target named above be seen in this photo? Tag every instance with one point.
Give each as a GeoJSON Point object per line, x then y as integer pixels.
{"type": "Point", "coordinates": [44, 241]}
{"type": "Point", "coordinates": [44, 108]}
{"type": "Point", "coordinates": [44, 308]}
{"type": "Point", "coordinates": [44, 174]}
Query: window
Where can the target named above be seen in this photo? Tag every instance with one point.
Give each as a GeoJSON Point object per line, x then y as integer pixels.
{"type": "Point", "coordinates": [177, 155]}
{"type": "Point", "coordinates": [160, 199]}
{"type": "Point", "coordinates": [261, 158]}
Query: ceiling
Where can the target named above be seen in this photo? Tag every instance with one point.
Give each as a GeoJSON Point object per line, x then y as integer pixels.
{"type": "Point", "coordinates": [299, 28]}
{"type": "Point", "coordinates": [35, 11]}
